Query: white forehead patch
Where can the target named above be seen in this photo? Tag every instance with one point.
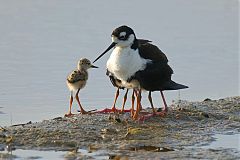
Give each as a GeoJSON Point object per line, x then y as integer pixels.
{"type": "Point", "coordinates": [123, 34]}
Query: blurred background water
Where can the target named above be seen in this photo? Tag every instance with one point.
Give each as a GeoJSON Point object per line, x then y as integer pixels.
{"type": "Point", "coordinates": [41, 42]}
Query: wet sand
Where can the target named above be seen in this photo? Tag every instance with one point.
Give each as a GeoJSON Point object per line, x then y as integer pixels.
{"type": "Point", "coordinates": [181, 134]}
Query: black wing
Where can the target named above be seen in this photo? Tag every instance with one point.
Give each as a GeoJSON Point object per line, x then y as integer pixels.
{"type": "Point", "coordinates": [157, 74]}
{"type": "Point", "coordinates": [152, 52]}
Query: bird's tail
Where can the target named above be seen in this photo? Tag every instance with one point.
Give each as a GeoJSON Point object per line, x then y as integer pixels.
{"type": "Point", "coordinates": [171, 85]}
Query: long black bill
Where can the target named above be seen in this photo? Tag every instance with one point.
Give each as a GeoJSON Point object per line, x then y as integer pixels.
{"type": "Point", "coordinates": [110, 47]}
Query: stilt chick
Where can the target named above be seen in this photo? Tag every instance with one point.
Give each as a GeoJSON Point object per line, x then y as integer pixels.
{"type": "Point", "coordinates": [77, 80]}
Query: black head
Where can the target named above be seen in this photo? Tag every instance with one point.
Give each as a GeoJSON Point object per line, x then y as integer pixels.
{"type": "Point", "coordinates": [122, 36]}
{"type": "Point", "coordinates": [123, 32]}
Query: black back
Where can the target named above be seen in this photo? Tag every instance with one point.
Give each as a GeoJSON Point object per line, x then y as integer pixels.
{"type": "Point", "coordinates": [157, 74]}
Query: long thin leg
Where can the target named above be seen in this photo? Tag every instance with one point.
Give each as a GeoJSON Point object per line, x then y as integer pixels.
{"type": "Point", "coordinates": [81, 108]}
{"type": "Point", "coordinates": [151, 102]}
{"type": "Point", "coordinates": [70, 106]}
{"type": "Point", "coordinates": [113, 109]}
{"type": "Point", "coordinates": [135, 117]}
{"type": "Point", "coordinates": [163, 113]}
{"type": "Point", "coordinates": [115, 100]}
{"type": "Point", "coordinates": [165, 108]}
{"type": "Point", "coordinates": [147, 116]}
{"type": "Point", "coordinates": [140, 98]}
{"type": "Point", "coordinates": [133, 100]}
{"type": "Point", "coordinates": [124, 100]}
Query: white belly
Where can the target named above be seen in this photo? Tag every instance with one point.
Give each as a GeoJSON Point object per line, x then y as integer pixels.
{"type": "Point", "coordinates": [124, 63]}
{"type": "Point", "coordinates": [77, 85]}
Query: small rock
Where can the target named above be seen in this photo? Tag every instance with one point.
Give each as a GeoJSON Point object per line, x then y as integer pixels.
{"type": "Point", "coordinates": [163, 149]}
{"type": "Point", "coordinates": [108, 131]}
{"type": "Point", "coordinates": [207, 99]}
{"type": "Point", "coordinates": [58, 118]}
{"type": "Point", "coordinates": [177, 116]}
{"type": "Point", "coordinates": [204, 115]}
{"type": "Point", "coordinates": [115, 157]}
{"type": "Point", "coordinates": [159, 110]}
{"type": "Point", "coordinates": [181, 109]}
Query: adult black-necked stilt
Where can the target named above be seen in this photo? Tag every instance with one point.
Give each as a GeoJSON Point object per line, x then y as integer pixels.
{"type": "Point", "coordinates": [141, 67]}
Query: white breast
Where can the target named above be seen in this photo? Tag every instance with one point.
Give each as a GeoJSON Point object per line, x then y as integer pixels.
{"type": "Point", "coordinates": [125, 62]}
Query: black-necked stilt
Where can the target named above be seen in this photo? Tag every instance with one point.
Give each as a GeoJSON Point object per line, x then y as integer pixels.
{"type": "Point", "coordinates": [141, 67]}
{"type": "Point", "coordinates": [77, 80]}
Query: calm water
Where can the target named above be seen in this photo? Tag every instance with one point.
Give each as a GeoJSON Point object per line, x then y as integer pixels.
{"type": "Point", "coordinates": [226, 141]}
{"type": "Point", "coordinates": [41, 42]}
{"type": "Point", "coordinates": [55, 155]}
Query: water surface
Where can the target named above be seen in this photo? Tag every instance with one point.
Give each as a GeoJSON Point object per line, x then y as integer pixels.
{"type": "Point", "coordinates": [222, 141]}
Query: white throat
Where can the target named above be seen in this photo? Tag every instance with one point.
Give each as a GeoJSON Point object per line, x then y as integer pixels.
{"type": "Point", "coordinates": [124, 62]}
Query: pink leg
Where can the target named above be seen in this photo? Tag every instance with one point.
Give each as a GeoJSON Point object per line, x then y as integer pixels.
{"type": "Point", "coordinates": [164, 102]}
{"type": "Point", "coordinates": [149, 115]}
{"type": "Point", "coordinates": [113, 109]}
{"type": "Point", "coordinates": [69, 114]}
{"type": "Point", "coordinates": [165, 108]}
{"type": "Point", "coordinates": [115, 100]}
{"type": "Point", "coordinates": [80, 106]}
{"type": "Point", "coordinates": [136, 93]}
{"type": "Point", "coordinates": [138, 109]}
{"type": "Point", "coordinates": [124, 102]}
{"type": "Point", "coordinates": [151, 102]}
{"type": "Point", "coordinates": [162, 113]}
{"type": "Point", "coordinates": [133, 100]}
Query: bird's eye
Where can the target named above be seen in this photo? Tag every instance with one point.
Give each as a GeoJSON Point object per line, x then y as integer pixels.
{"type": "Point", "coordinates": [122, 37]}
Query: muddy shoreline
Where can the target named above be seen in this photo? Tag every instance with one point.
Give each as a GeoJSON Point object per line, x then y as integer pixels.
{"type": "Point", "coordinates": [181, 134]}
